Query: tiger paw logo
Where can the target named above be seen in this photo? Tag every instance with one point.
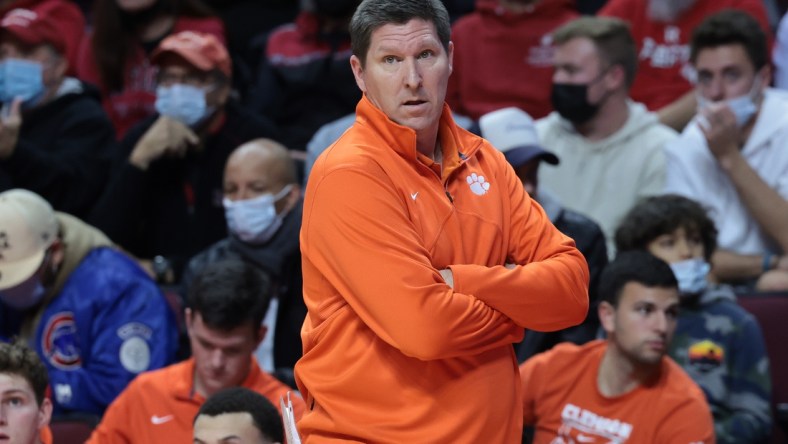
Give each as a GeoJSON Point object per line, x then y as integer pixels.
{"type": "Point", "coordinates": [478, 185]}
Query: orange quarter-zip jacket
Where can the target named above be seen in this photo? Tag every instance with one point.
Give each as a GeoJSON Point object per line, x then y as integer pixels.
{"type": "Point", "coordinates": [391, 352]}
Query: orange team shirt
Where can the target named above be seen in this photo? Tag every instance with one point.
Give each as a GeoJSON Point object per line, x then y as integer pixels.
{"type": "Point", "coordinates": [160, 406]}
{"type": "Point", "coordinates": [563, 402]}
{"type": "Point", "coordinates": [392, 353]}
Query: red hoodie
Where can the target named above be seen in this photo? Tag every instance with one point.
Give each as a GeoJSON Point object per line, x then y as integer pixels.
{"type": "Point", "coordinates": [504, 59]}
{"type": "Point", "coordinates": [663, 48]}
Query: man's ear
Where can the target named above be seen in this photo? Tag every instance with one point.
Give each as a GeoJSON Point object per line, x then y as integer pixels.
{"type": "Point", "coordinates": [358, 73]}
{"type": "Point", "coordinates": [261, 335]}
{"type": "Point", "coordinates": [44, 413]}
{"type": "Point", "coordinates": [188, 318]}
{"type": "Point", "coordinates": [607, 316]}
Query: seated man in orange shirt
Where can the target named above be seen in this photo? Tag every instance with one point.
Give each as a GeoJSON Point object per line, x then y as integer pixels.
{"type": "Point", "coordinates": [24, 411]}
{"type": "Point", "coordinates": [623, 389]}
{"type": "Point", "coordinates": [226, 304]}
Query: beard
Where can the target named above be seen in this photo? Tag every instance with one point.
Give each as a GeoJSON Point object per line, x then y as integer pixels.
{"type": "Point", "coordinates": [667, 10]}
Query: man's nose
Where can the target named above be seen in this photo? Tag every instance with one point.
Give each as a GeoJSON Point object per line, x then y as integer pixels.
{"type": "Point", "coordinates": [412, 74]}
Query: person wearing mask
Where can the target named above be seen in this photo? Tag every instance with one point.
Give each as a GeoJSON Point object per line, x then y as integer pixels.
{"type": "Point", "coordinates": [717, 342]}
{"type": "Point", "coordinates": [263, 206]}
{"type": "Point", "coordinates": [116, 55]}
{"type": "Point", "coordinates": [54, 137]}
{"type": "Point", "coordinates": [733, 157]}
{"type": "Point", "coordinates": [623, 388]}
{"type": "Point", "coordinates": [662, 30]}
{"type": "Point", "coordinates": [96, 318]}
{"type": "Point", "coordinates": [163, 202]}
{"type": "Point", "coordinates": [611, 148]}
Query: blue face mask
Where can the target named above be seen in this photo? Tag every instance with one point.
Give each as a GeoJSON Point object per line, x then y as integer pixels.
{"type": "Point", "coordinates": [21, 78]}
{"type": "Point", "coordinates": [691, 274]}
{"type": "Point", "coordinates": [184, 103]}
{"type": "Point", "coordinates": [24, 295]}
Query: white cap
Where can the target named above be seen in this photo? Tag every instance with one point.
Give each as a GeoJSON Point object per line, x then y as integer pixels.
{"type": "Point", "coordinates": [28, 227]}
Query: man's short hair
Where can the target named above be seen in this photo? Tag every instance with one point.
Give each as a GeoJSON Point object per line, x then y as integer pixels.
{"type": "Point", "coordinates": [17, 359]}
{"type": "Point", "coordinates": [634, 266]}
{"type": "Point", "coordinates": [731, 27]}
{"type": "Point", "coordinates": [242, 400]}
{"type": "Point", "coordinates": [373, 14]}
{"type": "Point", "coordinates": [229, 293]}
{"type": "Point", "coordinates": [611, 37]}
{"type": "Point", "coordinates": [659, 215]}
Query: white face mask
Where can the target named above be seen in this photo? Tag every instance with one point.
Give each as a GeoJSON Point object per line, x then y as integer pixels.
{"type": "Point", "coordinates": [254, 220]}
{"type": "Point", "coordinates": [25, 294]}
{"type": "Point", "coordinates": [691, 275]}
{"type": "Point", "coordinates": [743, 107]}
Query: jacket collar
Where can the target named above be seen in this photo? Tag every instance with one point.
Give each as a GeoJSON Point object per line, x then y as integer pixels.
{"type": "Point", "coordinates": [403, 139]}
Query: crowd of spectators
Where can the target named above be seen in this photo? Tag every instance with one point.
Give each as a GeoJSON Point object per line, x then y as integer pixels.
{"type": "Point", "coordinates": [153, 157]}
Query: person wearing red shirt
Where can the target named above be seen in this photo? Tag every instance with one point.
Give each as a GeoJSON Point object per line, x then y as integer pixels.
{"type": "Point", "coordinates": [662, 30]}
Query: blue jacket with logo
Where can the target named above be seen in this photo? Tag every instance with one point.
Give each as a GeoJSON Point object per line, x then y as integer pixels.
{"type": "Point", "coordinates": [109, 323]}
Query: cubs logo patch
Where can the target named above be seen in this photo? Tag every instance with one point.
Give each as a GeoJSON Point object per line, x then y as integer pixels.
{"type": "Point", "coordinates": [59, 342]}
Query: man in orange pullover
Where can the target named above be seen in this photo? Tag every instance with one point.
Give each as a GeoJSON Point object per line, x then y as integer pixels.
{"type": "Point", "coordinates": [226, 304]}
{"type": "Point", "coordinates": [423, 257]}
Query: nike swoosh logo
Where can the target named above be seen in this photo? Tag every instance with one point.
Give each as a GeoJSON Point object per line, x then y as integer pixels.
{"type": "Point", "coordinates": [413, 196]}
{"type": "Point", "coordinates": [160, 419]}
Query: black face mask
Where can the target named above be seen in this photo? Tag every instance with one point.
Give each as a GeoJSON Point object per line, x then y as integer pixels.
{"type": "Point", "coordinates": [335, 8]}
{"type": "Point", "coordinates": [571, 102]}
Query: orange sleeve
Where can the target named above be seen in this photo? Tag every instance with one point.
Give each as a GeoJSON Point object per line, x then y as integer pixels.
{"type": "Point", "coordinates": [548, 290]}
{"type": "Point", "coordinates": [357, 233]}
{"type": "Point", "coordinates": [115, 426]}
{"type": "Point", "coordinates": [690, 423]}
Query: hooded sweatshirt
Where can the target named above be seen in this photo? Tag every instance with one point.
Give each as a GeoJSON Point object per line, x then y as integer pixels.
{"type": "Point", "coordinates": [504, 59]}
{"type": "Point", "coordinates": [721, 346]}
{"type": "Point", "coordinates": [604, 179]}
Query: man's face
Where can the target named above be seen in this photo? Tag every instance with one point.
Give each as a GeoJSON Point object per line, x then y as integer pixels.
{"type": "Point", "coordinates": [527, 173]}
{"type": "Point", "coordinates": [577, 62]}
{"type": "Point", "coordinates": [235, 428]}
{"type": "Point", "coordinates": [174, 70]}
{"type": "Point", "coordinates": [725, 72]}
{"type": "Point", "coordinates": [251, 174]}
{"type": "Point", "coordinates": [53, 66]}
{"type": "Point", "coordinates": [406, 73]}
{"type": "Point", "coordinates": [21, 418]}
{"type": "Point", "coordinates": [222, 358]}
{"type": "Point", "coordinates": [642, 325]}
{"type": "Point", "coordinates": [680, 245]}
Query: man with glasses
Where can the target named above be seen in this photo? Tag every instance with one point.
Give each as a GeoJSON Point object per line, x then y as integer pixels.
{"type": "Point", "coordinates": [164, 199]}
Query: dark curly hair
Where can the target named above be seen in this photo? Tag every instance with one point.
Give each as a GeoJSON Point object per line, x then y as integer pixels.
{"type": "Point", "coordinates": [658, 215]}
{"type": "Point", "coordinates": [17, 359]}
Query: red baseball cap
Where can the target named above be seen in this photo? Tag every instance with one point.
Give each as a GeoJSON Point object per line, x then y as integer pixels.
{"type": "Point", "coordinates": [204, 51]}
{"type": "Point", "coordinates": [42, 23]}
